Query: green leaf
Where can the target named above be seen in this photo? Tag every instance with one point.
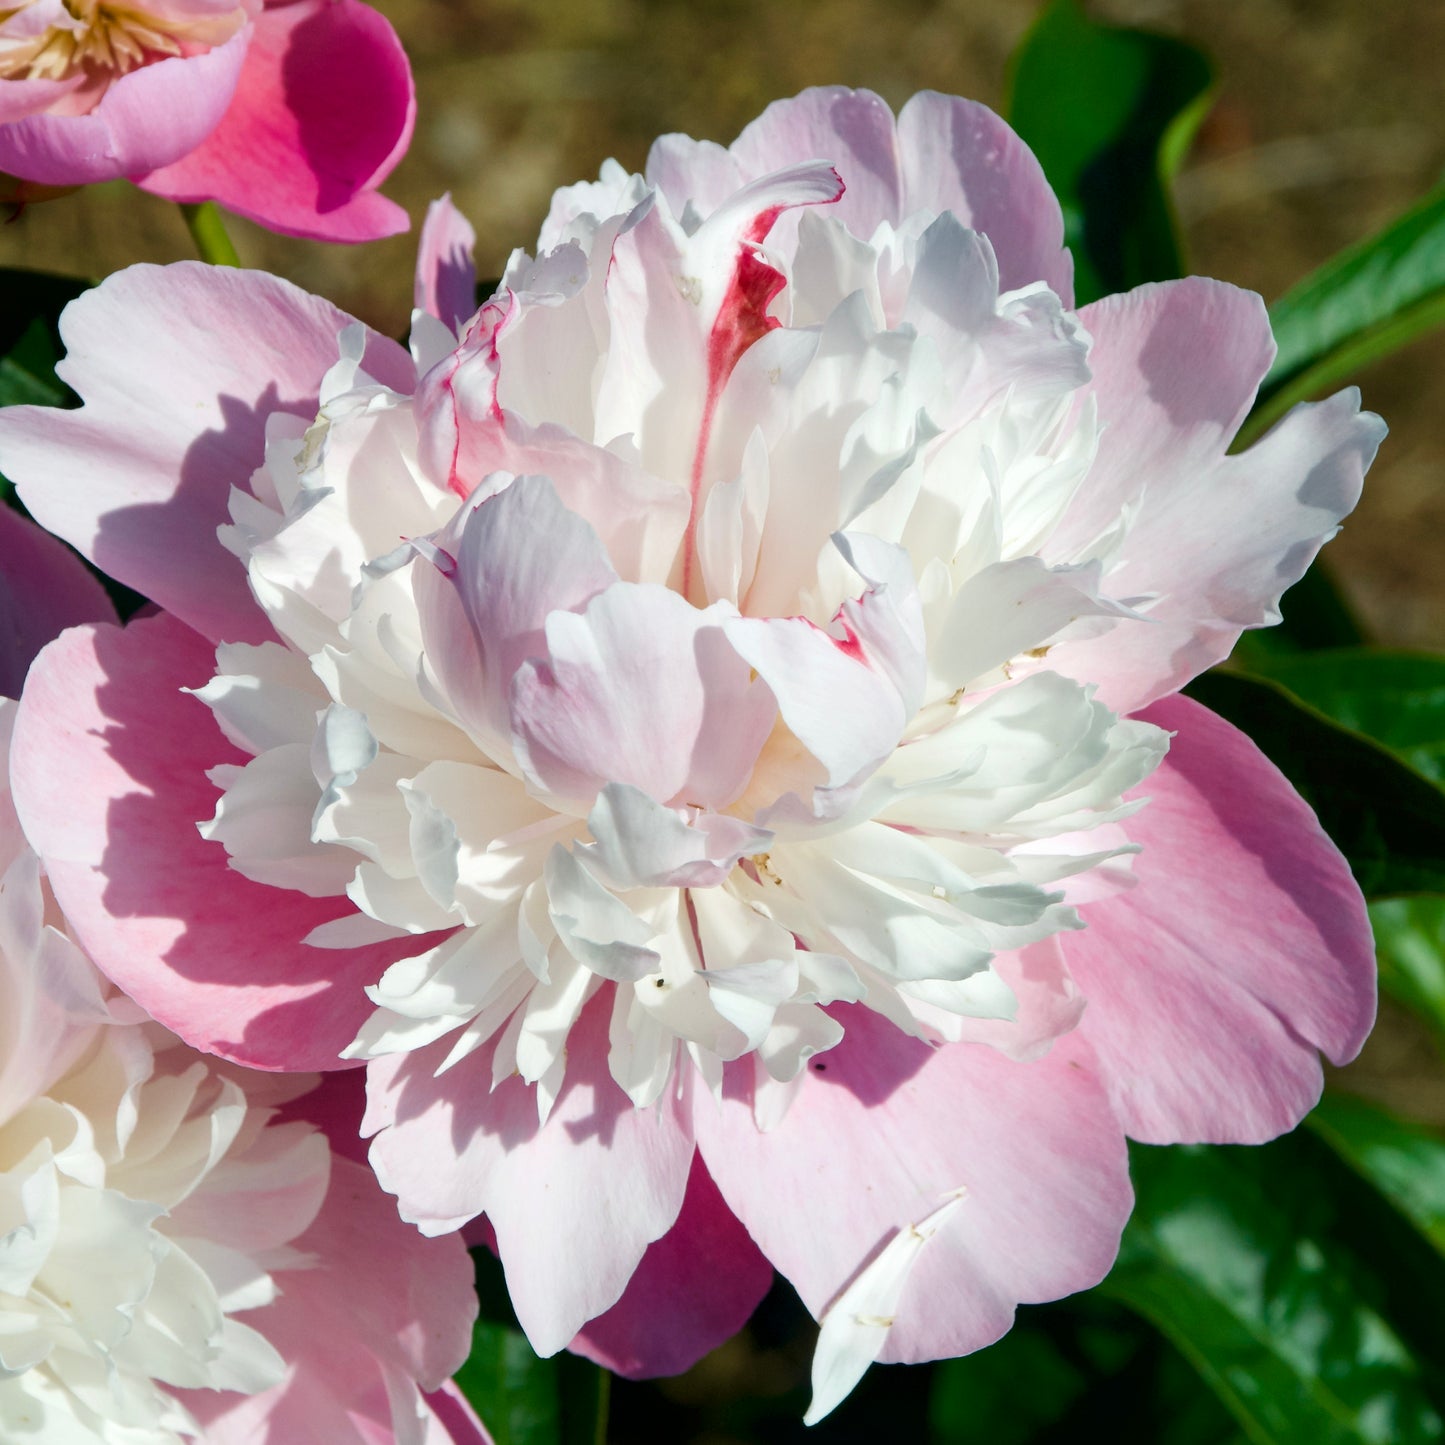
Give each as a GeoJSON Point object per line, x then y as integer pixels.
{"type": "Point", "coordinates": [1404, 1161]}
{"type": "Point", "coordinates": [1368, 301]}
{"type": "Point", "coordinates": [1235, 1255]}
{"type": "Point", "coordinates": [517, 1394]}
{"type": "Point", "coordinates": [30, 306]}
{"type": "Point", "coordinates": [1410, 946]}
{"type": "Point", "coordinates": [1093, 1371]}
{"type": "Point", "coordinates": [1386, 819]}
{"type": "Point", "coordinates": [1397, 698]}
{"type": "Point", "coordinates": [1110, 114]}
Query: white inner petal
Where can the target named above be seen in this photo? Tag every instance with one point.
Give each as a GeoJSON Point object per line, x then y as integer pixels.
{"type": "Point", "coordinates": [686, 637]}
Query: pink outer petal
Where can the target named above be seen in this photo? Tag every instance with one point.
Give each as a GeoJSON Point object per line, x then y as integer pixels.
{"type": "Point", "coordinates": [108, 771]}
{"type": "Point", "coordinates": [1244, 948]}
{"type": "Point", "coordinates": [179, 367]}
{"type": "Point", "coordinates": [574, 1202]}
{"type": "Point", "coordinates": [146, 119]}
{"type": "Point", "coordinates": [381, 1311]}
{"type": "Point", "coordinates": [883, 1128]}
{"type": "Point", "coordinates": [44, 588]}
{"type": "Point", "coordinates": [446, 277]}
{"type": "Point", "coordinates": [695, 1288]}
{"type": "Point", "coordinates": [1216, 539]}
{"type": "Point", "coordinates": [324, 111]}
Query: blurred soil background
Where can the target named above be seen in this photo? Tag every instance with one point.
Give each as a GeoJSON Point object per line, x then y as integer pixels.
{"type": "Point", "coordinates": [1328, 122]}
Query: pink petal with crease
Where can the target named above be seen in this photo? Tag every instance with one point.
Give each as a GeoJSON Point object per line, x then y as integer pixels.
{"type": "Point", "coordinates": [882, 1130]}
{"type": "Point", "coordinates": [323, 112]}
{"type": "Point", "coordinates": [108, 771]}
{"type": "Point", "coordinates": [1243, 950]}
{"type": "Point", "coordinates": [179, 367]}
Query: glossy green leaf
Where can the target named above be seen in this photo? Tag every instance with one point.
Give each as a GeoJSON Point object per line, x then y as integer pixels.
{"type": "Point", "coordinates": [1397, 698]}
{"type": "Point", "coordinates": [1236, 1256]}
{"type": "Point", "coordinates": [1403, 1160]}
{"type": "Point", "coordinates": [1110, 113]}
{"type": "Point", "coordinates": [1366, 302]}
{"type": "Point", "coordinates": [30, 306]}
{"type": "Point", "coordinates": [1386, 818]}
{"type": "Point", "coordinates": [518, 1395]}
{"type": "Point", "coordinates": [1410, 945]}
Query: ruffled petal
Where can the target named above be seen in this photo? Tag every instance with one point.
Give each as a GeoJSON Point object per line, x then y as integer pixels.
{"type": "Point", "coordinates": [323, 112]}
{"type": "Point", "coordinates": [1213, 540]}
{"type": "Point", "coordinates": [1243, 950]}
{"type": "Point", "coordinates": [179, 368]}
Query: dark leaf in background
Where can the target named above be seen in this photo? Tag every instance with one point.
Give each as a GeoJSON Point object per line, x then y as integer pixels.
{"type": "Point", "coordinates": [1363, 304]}
{"type": "Point", "coordinates": [30, 307]}
{"type": "Point", "coordinates": [1236, 1255]}
{"type": "Point", "coordinates": [1396, 698]}
{"type": "Point", "coordinates": [1110, 113]}
{"type": "Point", "coordinates": [1386, 819]}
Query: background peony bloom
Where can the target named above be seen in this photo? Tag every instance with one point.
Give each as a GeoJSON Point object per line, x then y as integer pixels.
{"type": "Point", "coordinates": [689, 727]}
{"type": "Point", "coordinates": [157, 1208]}
{"type": "Point", "coordinates": [176, 1262]}
{"type": "Point", "coordinates": [289, 113]}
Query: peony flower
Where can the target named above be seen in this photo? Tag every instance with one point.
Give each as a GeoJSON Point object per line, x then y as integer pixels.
{"type": "Point", "coordinates": [289, 112]}
{"type": "Point", "coordinates": [181, 1254]}
{"type": "Point", "coordinates": [702, 728]}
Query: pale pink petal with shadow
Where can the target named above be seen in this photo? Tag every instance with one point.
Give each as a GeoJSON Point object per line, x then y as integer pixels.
{"type": "Point", "coordinates": [109, 776]}
{"type": "Point", "coordinates": [446, 278]}
{"type": "Point", "coordinates": [1215, 539]}
{"type": "Point", "coordinates": [1243, 952]}
{"type": "Point", "coordinates": [139, 479]}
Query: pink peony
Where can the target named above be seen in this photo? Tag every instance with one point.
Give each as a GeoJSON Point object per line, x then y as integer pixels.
{"type": "Point", "coordinates": [181, 1253]}
{"type": "Point", "coordinates": [289, 112]}
{"type": "Point", "coordinates": [703, 728]}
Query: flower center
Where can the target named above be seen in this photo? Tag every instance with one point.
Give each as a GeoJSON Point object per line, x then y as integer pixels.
{"type": "Point", "coordinates": [98, 41]}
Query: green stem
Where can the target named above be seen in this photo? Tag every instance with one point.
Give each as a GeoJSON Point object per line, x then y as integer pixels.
{"type": "Point", "coordinates": [208, 231]}
{"type": "Point", "coordinates": [604, 1399]}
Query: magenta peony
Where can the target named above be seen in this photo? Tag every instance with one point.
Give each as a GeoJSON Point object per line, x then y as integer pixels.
{"type": "Point", "coordinates": [289, 112]}
{"type": "Point", "coordinates": [703, 728]}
